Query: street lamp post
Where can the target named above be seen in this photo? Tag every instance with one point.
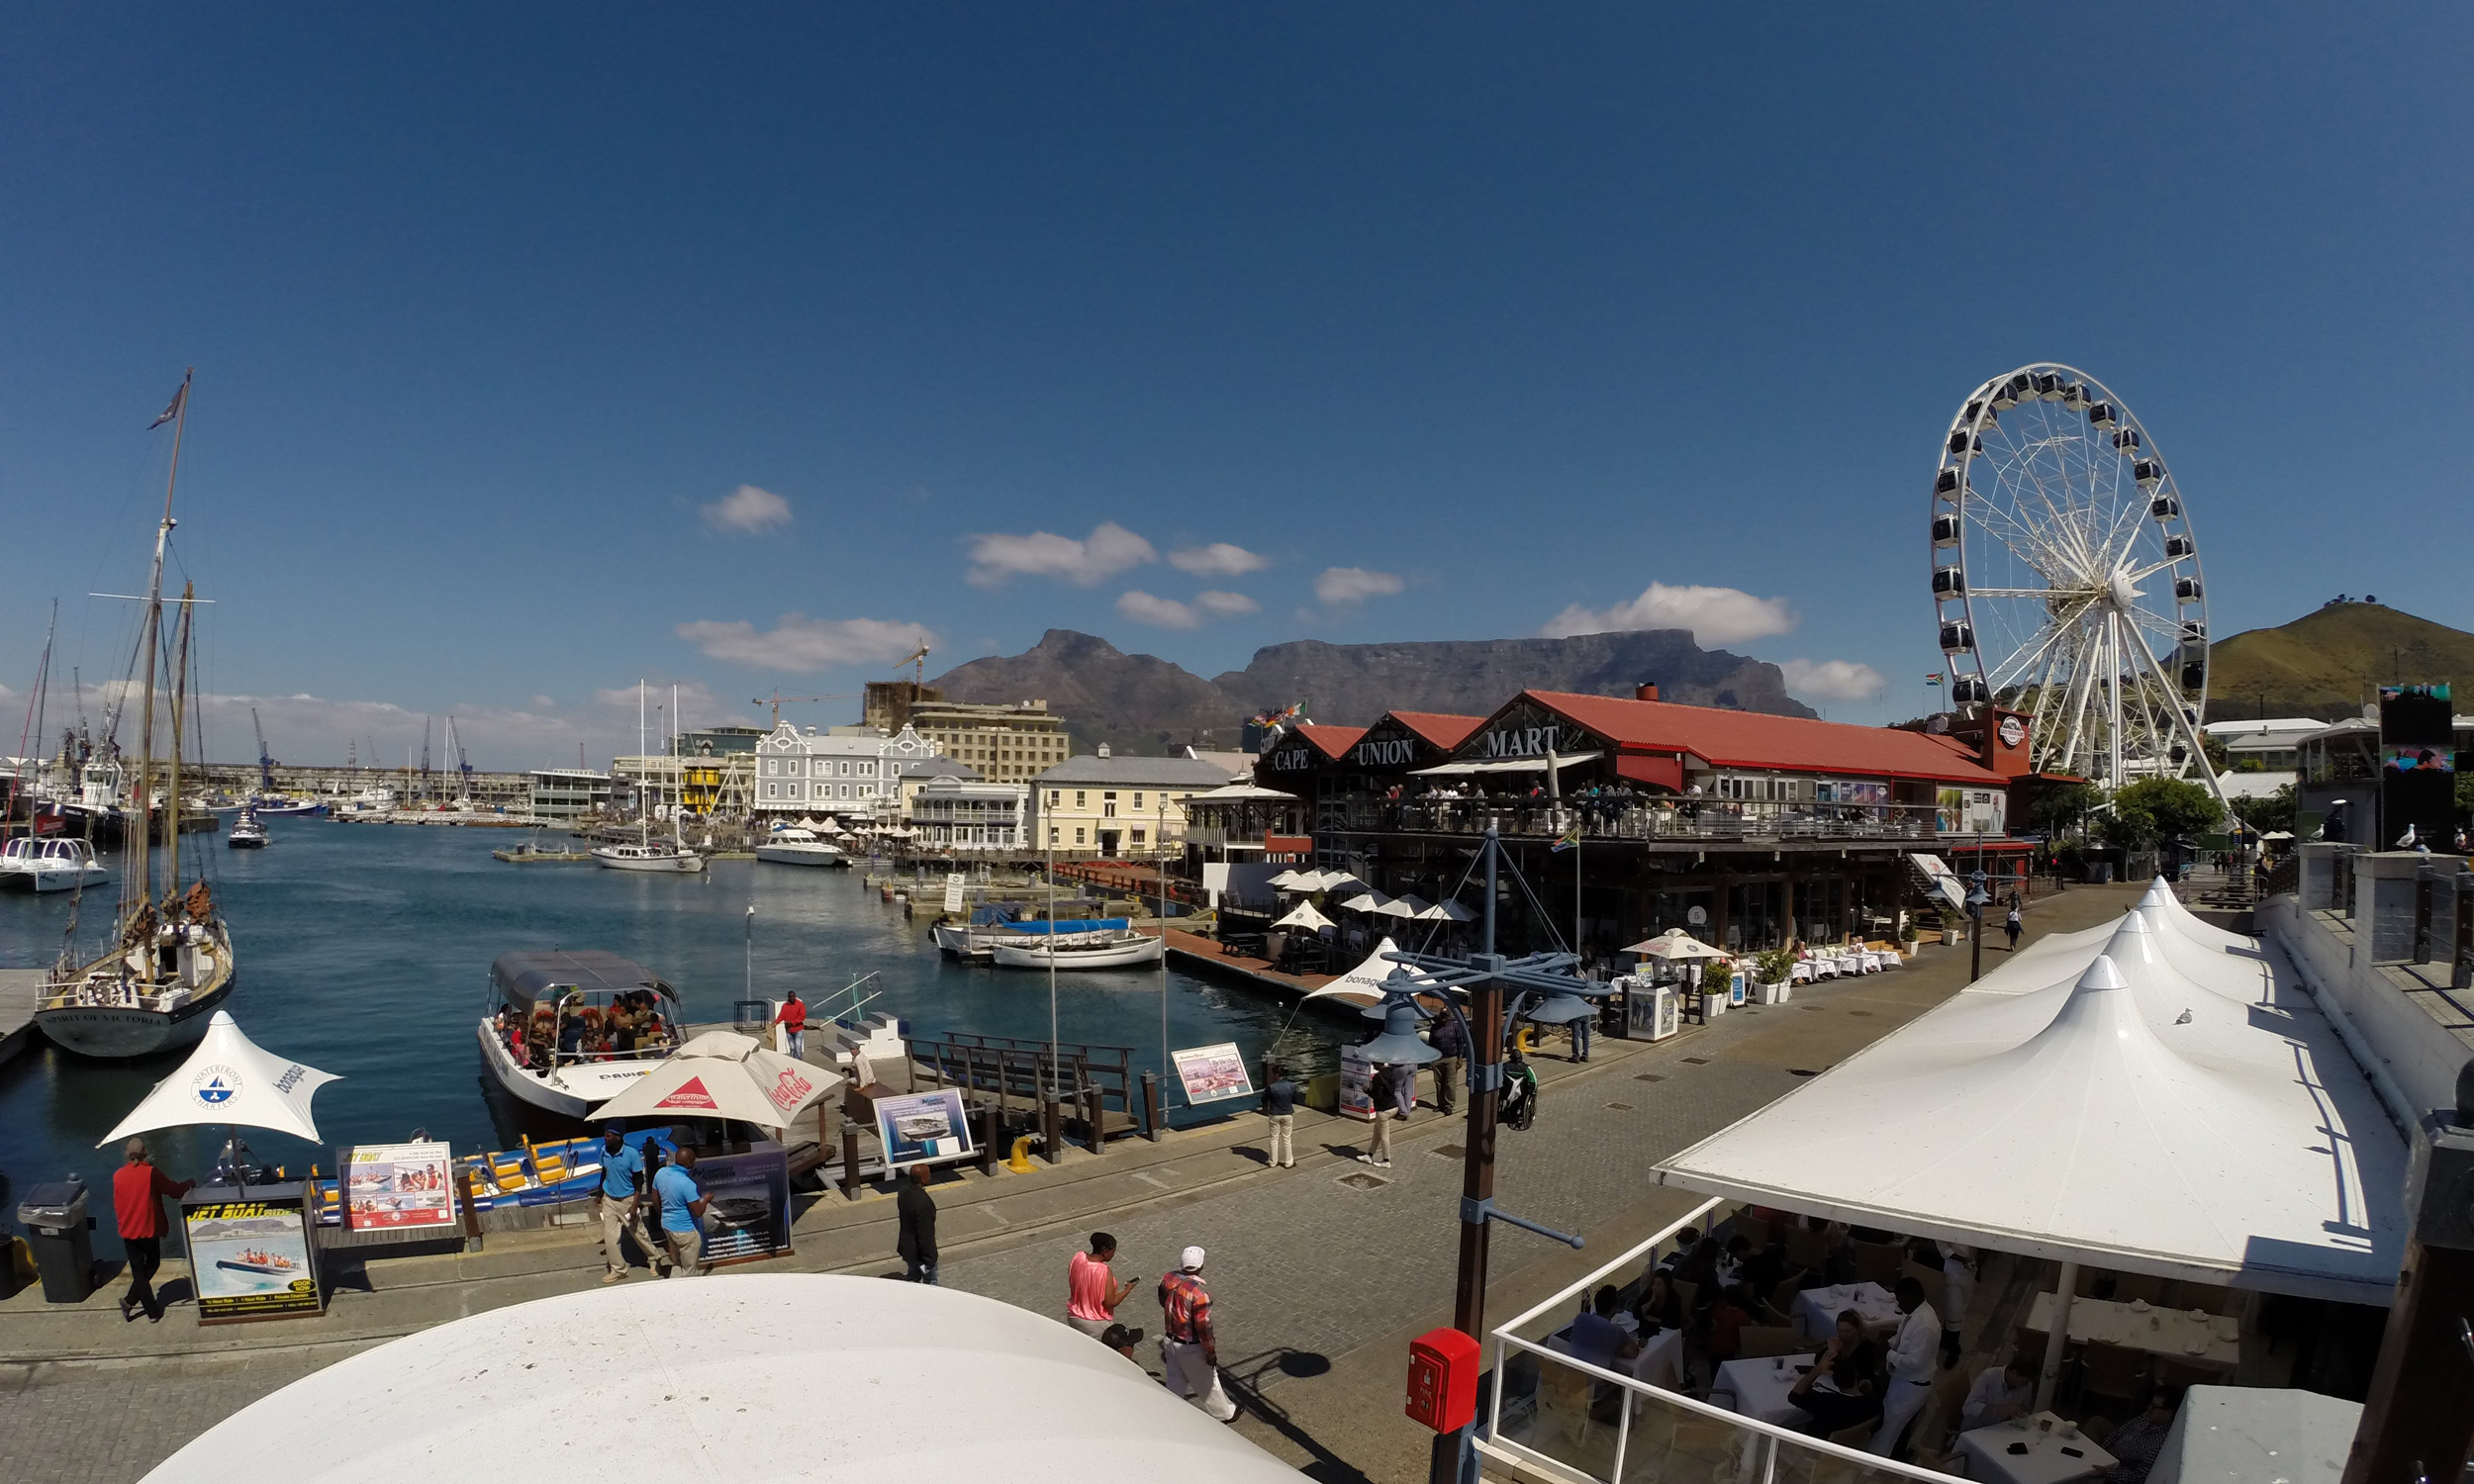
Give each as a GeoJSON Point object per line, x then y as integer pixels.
{"type": "Point", "coordinates": [1976, 898]}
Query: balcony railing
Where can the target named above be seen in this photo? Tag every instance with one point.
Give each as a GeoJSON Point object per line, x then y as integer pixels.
{"type": "Point", "coordinates": [1552, 1416]}
{"type": "Point", "coordinates": [1613, 819]}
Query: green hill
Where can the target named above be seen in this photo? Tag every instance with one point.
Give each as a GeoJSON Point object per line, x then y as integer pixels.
{"type": "Point", "coordinates": [2330, 663]}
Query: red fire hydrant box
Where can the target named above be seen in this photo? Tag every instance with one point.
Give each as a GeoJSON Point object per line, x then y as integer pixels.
{"type": "Point", "coordinates": [1442, 1380]}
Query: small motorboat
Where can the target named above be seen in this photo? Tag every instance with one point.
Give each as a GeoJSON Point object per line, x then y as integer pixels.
{"type": "Point", "coordinates": [246, 832]}
{"type": "Point", "coordinates": [549, 1037]}
{"type": "Point", "coordinates": [54, 864]}
{"type": "Point", "coordinates": [790, 845]}
{"type": "Point", "coordinates": [647, 857]}
{"type": "Point", "coordinates": [998, 922]}
{"type": "Point", "coordinates": [532, 853]}
{"type": "Point", "coordinates": [1130, 951]}
{"type": "Point", "coordinates": [273, 1264]}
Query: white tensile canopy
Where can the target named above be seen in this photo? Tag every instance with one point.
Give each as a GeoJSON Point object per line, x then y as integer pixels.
{"type": "Point", "coordinates": [725, 1074]}
{"type": "Point", "coordinates": [1304, 916]}
{"type": "Point", "coordinates": [1447, 911]}
{"type": "Point", "coordinates": [229, 1081]}
{"type": "Point", "coordinates": [1406, 906]}
{"type": "Point", "coordinates": [691, 1381]}
{"type": "Point", "coordinates": [1294, 880]}
{"type": "Point", "coordinates": [1363, 901]}
{"type": "Point", "coordinates": [1676, 945]}
{"type": "Point", "coordinates": [2156, 1095]}
{"type": "Point", "coordinates": [1364, 985]}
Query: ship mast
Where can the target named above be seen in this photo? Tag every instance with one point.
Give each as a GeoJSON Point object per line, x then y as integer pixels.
{"type": "Point", "coordinates": [138, 872]}
{"type": "Point", "coordinates": [171, 801]}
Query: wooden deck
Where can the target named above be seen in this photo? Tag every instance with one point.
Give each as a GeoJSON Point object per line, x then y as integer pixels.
{"type": "Point", "coordinates": [1203, 955]}
{"type": "Point", "coordinates": [19, 990]}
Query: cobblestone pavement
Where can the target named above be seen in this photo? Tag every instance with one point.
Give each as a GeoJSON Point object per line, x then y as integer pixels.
{"type": "Point", "coordinates": [1304, 1269]}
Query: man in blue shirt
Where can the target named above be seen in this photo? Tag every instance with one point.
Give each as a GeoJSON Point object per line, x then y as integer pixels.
{"type": "Point", "coordinates": [622, 1182]}
{"type": "Point", "coordinates": [681, 1204]}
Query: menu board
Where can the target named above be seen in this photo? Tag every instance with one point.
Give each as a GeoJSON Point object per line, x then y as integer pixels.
{"type": "Point", "coordinates": [747, 1212]}
{"type": "Point", "coordinates": [922, 1127]}
{"type": "Point", "coordinates": [250, 1253]}
{"type": "Point", "coordinates": [1213, 1073]}
{"type": "Point", "coordinates": [388, 1185]}
{"type": "Point", "coordinates": [1357, 1085]}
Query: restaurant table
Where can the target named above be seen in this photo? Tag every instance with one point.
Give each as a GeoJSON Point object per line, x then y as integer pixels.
{"type": "Point", "coordinates": [1660, 1361]}
{"type": "Point", "coordinates": [2214, 1340]}
{"type": "Point", "coordinates": [1991, 1462]}
{"type": "Point", "coordinates": [1814, 1312]}
{"type": "Point", "coordinates": [1761, 1387]}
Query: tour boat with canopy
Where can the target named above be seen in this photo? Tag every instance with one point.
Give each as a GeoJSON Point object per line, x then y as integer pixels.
{"type": "Point", "coordinates": [569, 1029]}
{"type": "Point", "coordinates": [28, 864]}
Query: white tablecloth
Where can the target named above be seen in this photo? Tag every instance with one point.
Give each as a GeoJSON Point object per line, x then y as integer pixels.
{"type": "Point", "coordinates": [1761, 1386]}
{"type": "Point", "coordinates": [1660, 1361]}
{"type": "Point", "coordinates": [1814, 1312]}
{"type": "Point", "coordinates": [2213, 1340]}
{"type": "Point", "coordinates": [1991, 1462]}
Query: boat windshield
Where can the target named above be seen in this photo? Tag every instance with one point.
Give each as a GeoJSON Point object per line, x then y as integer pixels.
{"type": "Point", "coordinates": [562, 1007]}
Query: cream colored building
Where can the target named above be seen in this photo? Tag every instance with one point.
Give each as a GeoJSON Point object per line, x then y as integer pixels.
{"type": "Point", "coordinates": [1005, 744]}
{"type": "Point", "coordinates": [1114, 808]}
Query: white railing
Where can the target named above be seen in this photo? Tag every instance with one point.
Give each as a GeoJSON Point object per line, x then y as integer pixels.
{"type": "Point", "coordinates": [1582, 1424]}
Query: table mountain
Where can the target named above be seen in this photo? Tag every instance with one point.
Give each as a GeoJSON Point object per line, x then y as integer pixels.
{"type": "Point", "coordinates": [2330, 663]}
{"type": "Point", "coordinates": [1139, 702]}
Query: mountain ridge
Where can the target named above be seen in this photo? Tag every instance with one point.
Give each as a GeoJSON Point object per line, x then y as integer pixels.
{"type": "Point", "coordinates": [2329, 662]}
{"type": "Point", "coordinates": [1139, 702]}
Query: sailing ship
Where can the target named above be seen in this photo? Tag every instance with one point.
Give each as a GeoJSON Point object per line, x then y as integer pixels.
{"type": "Point", "coordinates": [670, 857]}
{"type": "Point", "coordinates": [170, 964]}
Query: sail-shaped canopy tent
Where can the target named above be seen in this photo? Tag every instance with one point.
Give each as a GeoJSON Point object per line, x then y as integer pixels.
{"type": "Point", "coordinates": [2155, 1095]}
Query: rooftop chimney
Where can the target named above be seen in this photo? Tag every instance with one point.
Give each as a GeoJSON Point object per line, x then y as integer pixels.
{"type": "Point", "coordinates": [1103, 749]}
{"type": "Point", "coordinates": [1646, 691]}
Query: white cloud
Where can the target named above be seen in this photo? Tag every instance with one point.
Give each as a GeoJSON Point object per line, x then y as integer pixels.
{"type": "Point", "coordinates": [1162, 613]}
{"type": "Point", "coordinates": [542, 703]}
{"type": "Point", "coordinates": [1833, 680]}
{"type": "Point", "coordinates": [1218, 559]}
{"type": "Point", "coordinates": [1226, 603]}
{"type": "Point", "coordinates": [1341, 586]}
{"type": "Point", "coordinates": [748, 511]}
{"type": "Point", "coordinates": [799, 643]}
{"type": "Point", "coordinates": [1716, 615]}
{"type": "Point", "coordinates": [1110, 549]}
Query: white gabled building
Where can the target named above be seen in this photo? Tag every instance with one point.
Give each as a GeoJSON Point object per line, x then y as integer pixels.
{"type": "Point", "coordinates": [848, 770]}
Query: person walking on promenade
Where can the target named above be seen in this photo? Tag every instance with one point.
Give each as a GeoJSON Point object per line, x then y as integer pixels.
{"type": "Point", "coordinates": [917, 1243]}
{"type": "Point", "coordinates": [620, 1200]}
{"type": "Point", "coordinates": [1280, 1105]}
{"type": "Point", "coordinates": [1453, 1043]}
{"type": "Point", "coordinates": [138, 1192]}
{"type": "Point", "coordinates": [1380, 1094]}
{"type": "Point", "coordinates": [794, 1023]}
{"type": "Point", "coordinates": [1190, 1357]}
{"type": "Point", "coordinates": [682, 1208]}
{"type": "Point", "coordinates": [1091, 1291]}
{"type": "Point", "coordinates": [2014, 927]}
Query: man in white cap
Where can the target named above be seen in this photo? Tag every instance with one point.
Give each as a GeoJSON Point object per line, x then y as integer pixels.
{"type": "Point", "coordinates": [1188, 1357]}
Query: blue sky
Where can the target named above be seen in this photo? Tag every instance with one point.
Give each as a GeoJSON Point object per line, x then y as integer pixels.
{"type": "Point", "coordinates": [1448, 320]}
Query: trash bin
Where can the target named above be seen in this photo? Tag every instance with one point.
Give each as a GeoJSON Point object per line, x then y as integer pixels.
{"type": "Point", "coordinates": [62, 1237]}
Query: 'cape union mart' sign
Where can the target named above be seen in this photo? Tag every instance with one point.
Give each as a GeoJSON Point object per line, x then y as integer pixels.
{"type": "Point", "coordinates": [1520, 742]}
{"type": "Point", "coordinates": [1289, 759]}
{"type": "Point", "coordinates": [1390, 752]}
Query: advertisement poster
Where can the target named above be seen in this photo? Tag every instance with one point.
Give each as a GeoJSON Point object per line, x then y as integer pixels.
{"type": "Point", "coordinates": [1650, 1011]}
{"type": "Point", "coordinates": [250, 1258]}
{"type": "Point", "coordinates": [1357, 1084]}
{"type": "Point", "coordinates": [398, 1186]}
{"type": "Point", "coordinates": [922, 1127]}
{"type": "Point", "coordinates": [953, 892]}
{"type": "Point", "coordinates": [1212, 1073]}
{"type": "Point", "coordinates": [748, 1203]}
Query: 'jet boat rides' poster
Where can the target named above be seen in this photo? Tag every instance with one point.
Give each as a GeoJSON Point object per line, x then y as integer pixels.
{"type": "Point", "coordinates": [249, 1256]}
{"type": "Point", "coordinates": [388, 1186]}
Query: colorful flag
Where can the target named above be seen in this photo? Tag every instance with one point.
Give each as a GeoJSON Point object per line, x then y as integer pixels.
{"type": "Point", "coordinates": [1568, 840]}
{"type": "Point", "coordinates": [1933, 679]}
{"type": "Point", "coordinates": [178, 399]}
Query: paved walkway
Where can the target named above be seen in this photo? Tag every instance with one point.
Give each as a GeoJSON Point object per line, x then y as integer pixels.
{"type": "Point", "coordinates": [1321, 1274]}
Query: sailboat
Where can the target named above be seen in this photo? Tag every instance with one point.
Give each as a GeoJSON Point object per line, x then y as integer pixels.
{"type": "Point", "coordinates": [171, 962]}
{"type": "Point", "coordinates": [645, 855]}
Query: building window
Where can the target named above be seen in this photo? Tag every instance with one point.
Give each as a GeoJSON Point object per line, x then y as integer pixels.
{"type": "Point", "coordinates": [1078, 834]}
{"type": "Point", "coordinates": [1138, 801]}
{"type": "Point", "coordinates": [773, 790]}
{"type": "Point", "coordinates": [1052, 798]}
{"type": "Point", "coordinates": [1138, 837]}
{"type": "Point", "coordinates": [1108, 810]}
{"type": "Point", "coordinates": [1081, 800]}
{"type": "Point", "coordinates": [1052, 834]}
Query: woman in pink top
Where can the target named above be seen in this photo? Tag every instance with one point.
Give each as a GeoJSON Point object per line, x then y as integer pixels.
{"type": "Point", "coordinates": [1091, 1292]}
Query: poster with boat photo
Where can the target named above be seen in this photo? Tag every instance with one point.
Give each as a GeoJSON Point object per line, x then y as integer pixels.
{"type": "Point", "coordinates": [388, 1186]}
{"type": "Point", "coordinates": [747, 1203]}
{"type": "Point", "coordinates": [922, 1127]}
{"type": "Point", "coordinates": [250, 1258]}
{"type": "Point", "coordinates": [1357, 1085]}
{"type": "Point", "coordinates": [1213, 1073]}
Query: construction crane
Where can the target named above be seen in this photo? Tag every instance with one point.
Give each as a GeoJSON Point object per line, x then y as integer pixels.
{"type": "Point", "coordinates": [918, 665]}
{"type": "Point", "coordinates": [266, 763]}
{"type": "Point", "coordinates": [777, 700]}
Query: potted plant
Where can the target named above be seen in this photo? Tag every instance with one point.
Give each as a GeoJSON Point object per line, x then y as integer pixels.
{"type": "Point", "coordinates": [1907, 935]}
{"type": "Point", "coordinates": [1774, 971]}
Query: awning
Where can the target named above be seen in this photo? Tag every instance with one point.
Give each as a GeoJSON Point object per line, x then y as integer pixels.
{"type": "Point", "coordinates": [1510, 765]}
{"type": "Point", "coordinates": [2159, 1096]}
{"type": "Point", "coordinates": [1364, 985]}
{"type": "Point", "coordinates": [1304, 917]}
{"type": "Point", "coordinates": [533, 976]}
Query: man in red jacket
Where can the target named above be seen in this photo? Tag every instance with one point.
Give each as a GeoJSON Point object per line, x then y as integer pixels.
{"type": "Point", "coordinates": [138, 1192]}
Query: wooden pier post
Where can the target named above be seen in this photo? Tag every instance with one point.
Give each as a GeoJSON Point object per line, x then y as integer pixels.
{"type": "Point", "coordinates": [1151, 1107]}
{"type": "Point", "coordinates": [1095, 1120]}
{"type": "Point", "coordinates": [850, 1161]}
{"type": "Point", "coordinates": [992, 1132]}
{"type": "Point", "coordinates": [1051, 1127]}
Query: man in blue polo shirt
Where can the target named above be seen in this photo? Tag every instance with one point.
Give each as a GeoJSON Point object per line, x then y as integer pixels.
{"type": "Point", "coordinates": [622, 1182]}
{"type": "Point", "coordinates": [681, 1204]}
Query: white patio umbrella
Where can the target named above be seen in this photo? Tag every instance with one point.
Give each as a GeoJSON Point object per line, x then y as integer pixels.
{"type": "Point", "coordinates": [1304, 917]}
{"type": "Point", "coordinates": [1676, 945]}
{"type": "Point", "coordinates": [1363, 901]}
{"type": "Point", "coordinates": [1405, 907]}
{"type": "Point", "coordinates": [229, 1081]}
{"type": "Point", "coordinates": [1446, 912]}
{"type": "Point", "coordinates": [725, 1074]}
{"type": "Point", "coordinates": [1290, 881]}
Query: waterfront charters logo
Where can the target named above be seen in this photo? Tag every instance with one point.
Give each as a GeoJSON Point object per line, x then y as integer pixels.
{"type": "Point", "coordinates": [691, 1094]}
{"type": "Point", "coordinates": [215, 1086]}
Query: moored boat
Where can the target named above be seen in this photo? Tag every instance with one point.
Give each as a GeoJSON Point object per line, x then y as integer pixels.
{"type": "Point", "coordinates": [54, 864]}
{"type": "Point", "coordinates": [1130, 951]}
{"type": "Point", "coordinates": [246, 832]}
{"type": "Point", "coordinates": [647, 857]}
{"type": "Point", "coordinates": [570, 1029]}
{"type": "Point", "coordinates": [790, 845]}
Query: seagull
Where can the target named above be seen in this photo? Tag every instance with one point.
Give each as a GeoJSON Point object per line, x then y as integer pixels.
{"type": "Point", "coordinates": [2411, 841]}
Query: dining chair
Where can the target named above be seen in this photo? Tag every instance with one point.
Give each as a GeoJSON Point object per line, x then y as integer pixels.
{"type": "Point", "coordinates": [2112, 1371]}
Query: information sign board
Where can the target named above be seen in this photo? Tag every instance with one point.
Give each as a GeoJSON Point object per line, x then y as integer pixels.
{"type": "Point", "coordinates": [924, 1128]}
{"type": "Point", "coordinates": [388, 1186]}
{"type": "Point", "coordinates": [1213, 1073]}
{"type": "Point", "coordinates": [250, 1253]}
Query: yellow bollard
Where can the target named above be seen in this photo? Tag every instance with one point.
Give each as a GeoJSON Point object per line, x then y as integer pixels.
{"type": "Point", "coordinates": [1522, 1042]}
{"type": "Point", "coordinates": [1019, 1161]}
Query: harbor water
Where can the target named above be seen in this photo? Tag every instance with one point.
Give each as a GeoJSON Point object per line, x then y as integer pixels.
{"type": "Point", "coordinates": [364, 950]}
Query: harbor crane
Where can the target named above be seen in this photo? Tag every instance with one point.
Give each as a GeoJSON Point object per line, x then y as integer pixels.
{"type": "Point", "coordinates": [918, 665]}
{"type": "Point", "coordinates": [777, 700]}
{"type": "Point", "coordinates": [266, 763]}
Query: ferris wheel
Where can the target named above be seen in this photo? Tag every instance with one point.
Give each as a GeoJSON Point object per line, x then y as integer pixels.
{"type": "Point", "coordinates": [2067, 580]}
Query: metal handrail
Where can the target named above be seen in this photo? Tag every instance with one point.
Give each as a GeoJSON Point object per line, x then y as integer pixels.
{"type": "Point", "coordinates": [1639, 818]}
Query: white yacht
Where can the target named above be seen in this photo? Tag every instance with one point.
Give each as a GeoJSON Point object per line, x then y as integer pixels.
{"type": "Point", "coordinates": [790, 845]}
{"type": "Point", "coordinates": [54, 864]}
{"type": "Point", "coordinates": [570, 1028]}
{"type": "Point", "coordinates": [246, 832]}
{"type": "Point", "coordinates": [1130, 950]}
{"type": "Point", "coordinates": [647, 857]}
